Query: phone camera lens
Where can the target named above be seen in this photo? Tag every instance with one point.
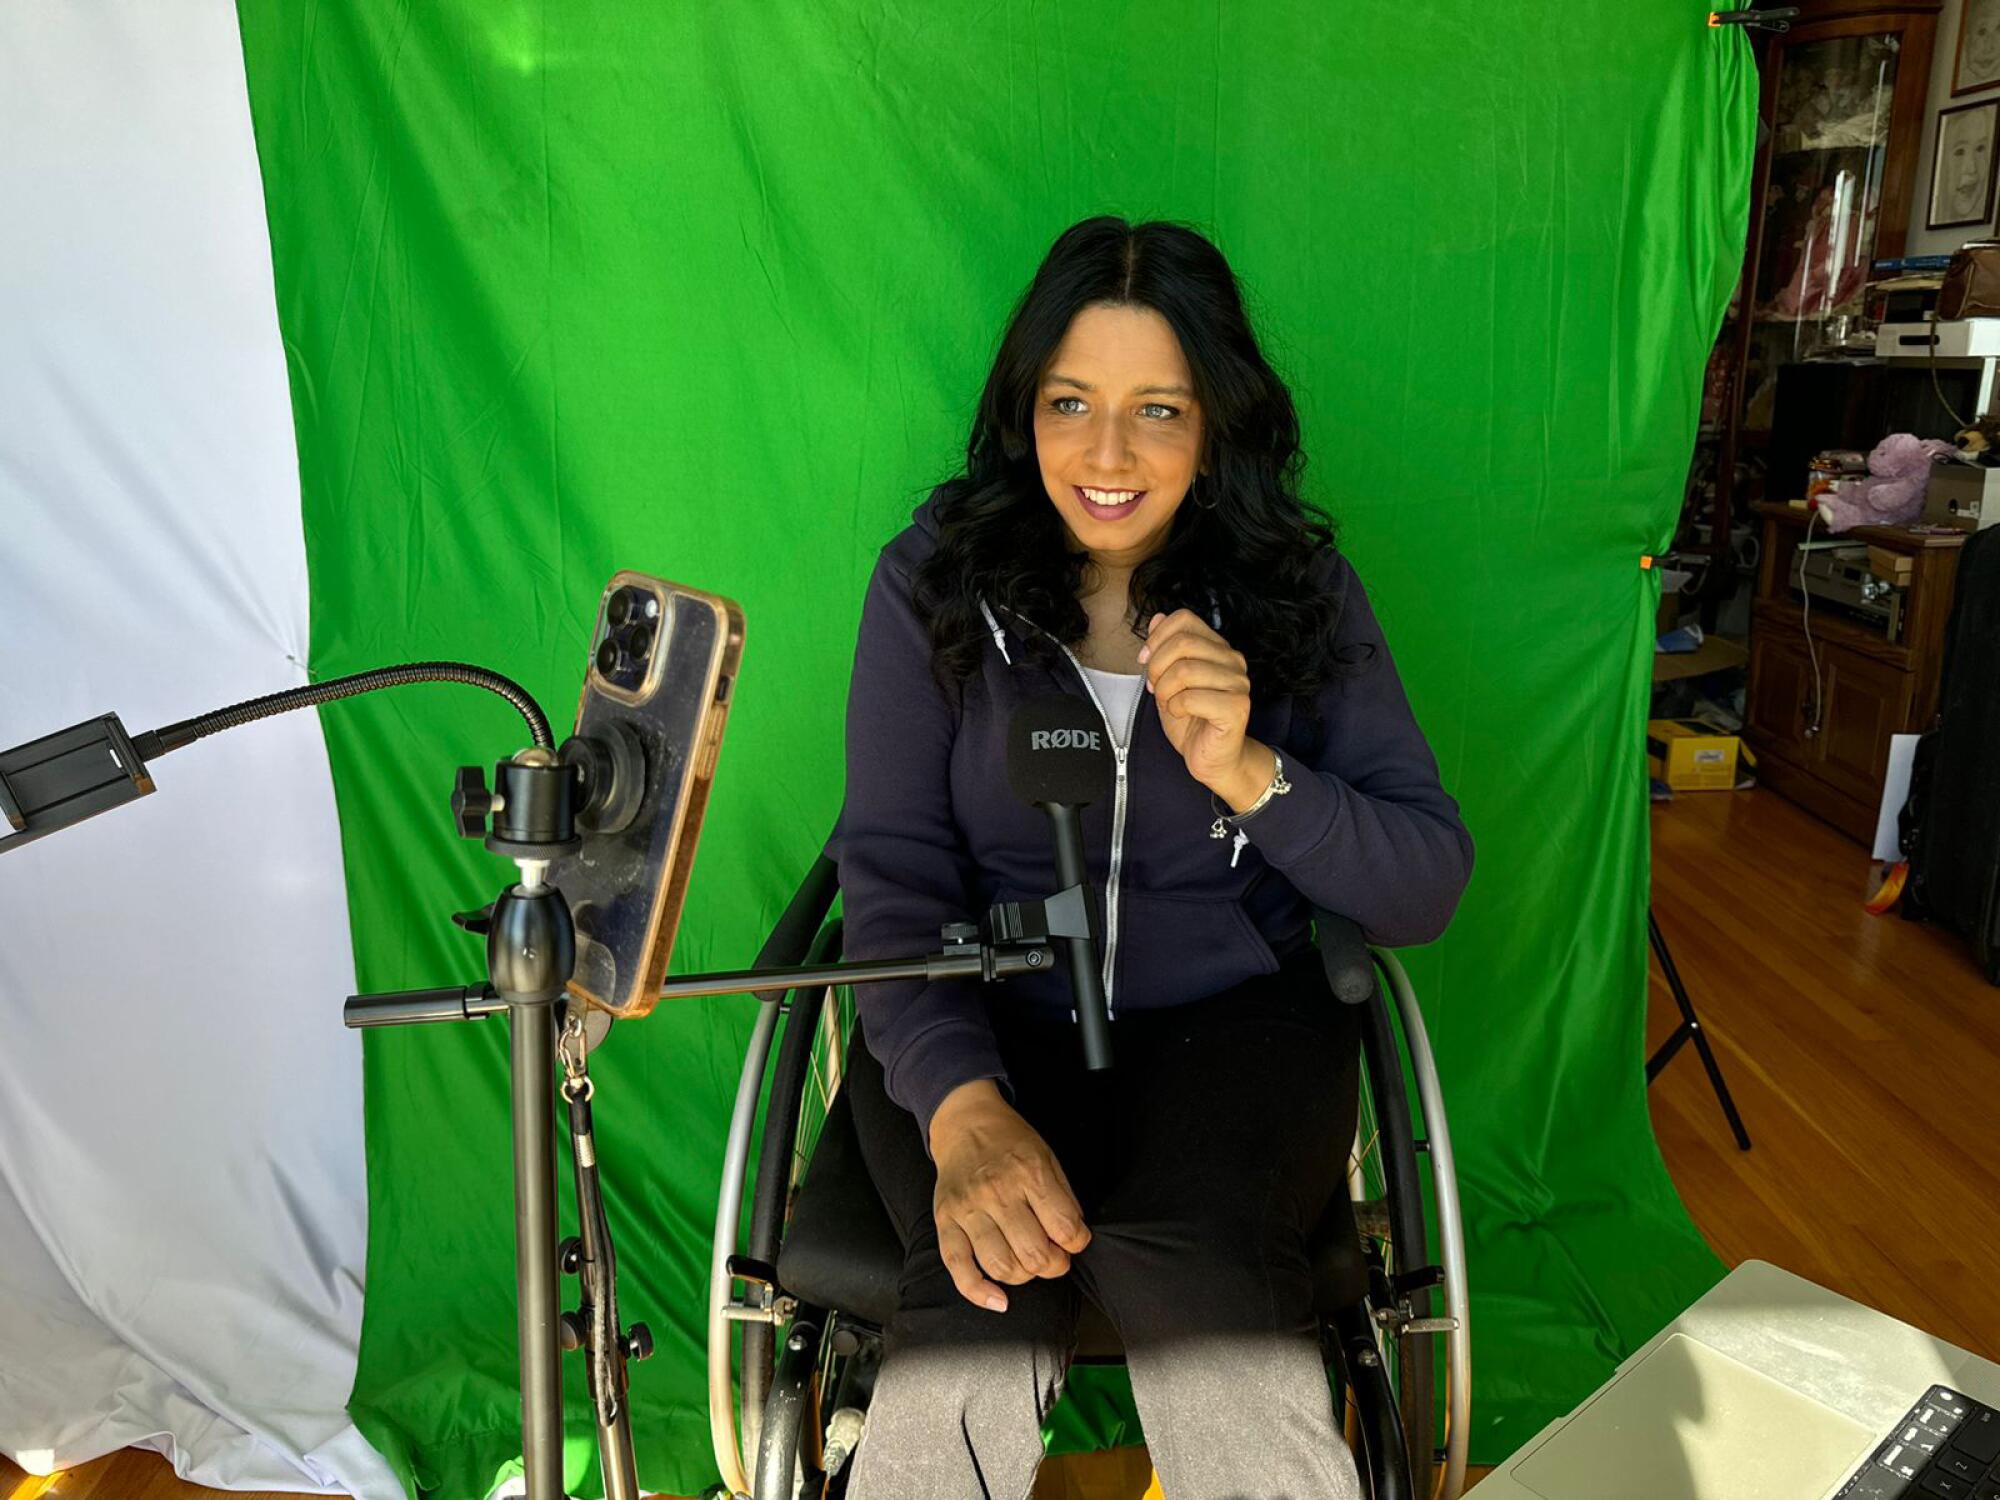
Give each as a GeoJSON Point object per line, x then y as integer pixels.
{"type": "Point", "coordinates": [613, 662]}
{"type": "Point", "coordinates": [631, 628]}
{"type": "Point", "coordinates": [628, 606]}
{"type": "Point", "coordinates": [637, 639]}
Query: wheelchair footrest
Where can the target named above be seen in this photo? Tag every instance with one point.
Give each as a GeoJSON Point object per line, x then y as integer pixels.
{"type": "Point", "coordinates": [1429, 1325]}
{"type": "Point", "coordinates": [777, 1312]}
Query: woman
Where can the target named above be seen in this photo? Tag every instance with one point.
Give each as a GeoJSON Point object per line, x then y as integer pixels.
{"type": "Point", "coordinates": [1128, 528]}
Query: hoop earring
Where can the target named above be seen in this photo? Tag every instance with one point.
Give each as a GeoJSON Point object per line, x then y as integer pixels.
{"type": "Point", "coordinates": [1194, 495]}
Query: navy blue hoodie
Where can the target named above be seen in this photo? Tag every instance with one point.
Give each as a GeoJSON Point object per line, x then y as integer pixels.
{"type": "Point", "coordinates": [931, 833]}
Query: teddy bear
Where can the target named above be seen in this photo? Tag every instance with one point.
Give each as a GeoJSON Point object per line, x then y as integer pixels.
{"type": "Point", "coordinates": [1980, 443]}
{"type": "Point", "coordinates": [1899, 470]}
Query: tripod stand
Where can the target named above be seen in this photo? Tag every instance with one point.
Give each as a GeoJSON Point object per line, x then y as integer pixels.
{"type": "Point", "coordinates": [530, 956]}
{"type": "Point", "coordinates": [1689, 1030]}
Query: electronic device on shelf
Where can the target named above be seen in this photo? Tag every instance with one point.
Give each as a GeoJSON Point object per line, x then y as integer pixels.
{"type": "Point", "coordinates": [1954, 338]}
{"type": "Point", "coordinates": [1840, 575]}
{"type": "Point", "coordinates": [1964, 496]}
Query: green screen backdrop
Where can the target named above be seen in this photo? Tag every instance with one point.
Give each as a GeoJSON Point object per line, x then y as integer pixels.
{"type": "Point", "coordinates": [710, 291]}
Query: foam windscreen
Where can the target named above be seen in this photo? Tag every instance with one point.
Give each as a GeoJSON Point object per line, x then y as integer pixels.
{"type": "Point", "coordinates": [1058, 751]}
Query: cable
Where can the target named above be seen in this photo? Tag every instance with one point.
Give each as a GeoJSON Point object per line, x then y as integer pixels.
{"type": "Point", "coordinates": [159, 741]}
{"type": "Point", "coordinates": [1937, 385]}
{"type": "Point", "coordinates": [1805, 623]}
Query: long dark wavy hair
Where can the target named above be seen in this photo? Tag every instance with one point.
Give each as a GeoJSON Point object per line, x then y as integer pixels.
{"type": "Point", "coordinates": [1001, 538]}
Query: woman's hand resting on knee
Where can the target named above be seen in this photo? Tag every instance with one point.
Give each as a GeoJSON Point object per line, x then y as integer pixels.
{"type": "Point", "coordinates": [1003, 1204]}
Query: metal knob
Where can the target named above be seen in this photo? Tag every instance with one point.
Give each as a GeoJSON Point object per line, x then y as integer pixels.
{"type": "Point", "coordinates": [471, 802]}
{"type": "Point", "coordinates": [639, 1343]}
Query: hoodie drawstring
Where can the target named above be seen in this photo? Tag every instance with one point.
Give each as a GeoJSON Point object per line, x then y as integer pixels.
{"type": "Point", "coordinates": [999, 636]}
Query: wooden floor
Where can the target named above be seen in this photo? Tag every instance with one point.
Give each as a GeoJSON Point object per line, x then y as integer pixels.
{"type": "Point", "coordinates": [1864, 1053]}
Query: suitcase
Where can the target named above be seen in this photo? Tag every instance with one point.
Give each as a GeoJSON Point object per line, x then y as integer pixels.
{"type": "Point", "coordinates": [1950, 830]}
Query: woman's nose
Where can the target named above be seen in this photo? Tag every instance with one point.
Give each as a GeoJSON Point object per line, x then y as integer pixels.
{"type": "Point", "coordinates": [1109, 446]}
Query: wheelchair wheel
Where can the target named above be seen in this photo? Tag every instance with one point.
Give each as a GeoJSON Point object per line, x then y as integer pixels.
{"type": "Point", "coordinates": [1389, 1211]}
{"type": "Point", "coordinates": [810, 1065]}
{"type": "Point", "coordinates": [1388, 1186]}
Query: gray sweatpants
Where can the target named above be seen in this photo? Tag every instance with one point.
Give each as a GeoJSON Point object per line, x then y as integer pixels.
{"type": "Point", "coordinates": [1202, 1161]}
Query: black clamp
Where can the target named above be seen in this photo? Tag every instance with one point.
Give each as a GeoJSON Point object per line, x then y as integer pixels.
{"type": "Point", "coordinates": [1777, 20]}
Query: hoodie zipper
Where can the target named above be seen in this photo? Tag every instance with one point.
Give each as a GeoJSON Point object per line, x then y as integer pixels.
{"type": "Point", "coordinates": [1121, 747]}
{"type": "Point", "coordinates": [1120, 801]}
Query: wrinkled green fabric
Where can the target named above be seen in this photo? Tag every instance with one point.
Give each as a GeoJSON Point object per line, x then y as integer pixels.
{"type": "Point", "coordinates": [711, 291]}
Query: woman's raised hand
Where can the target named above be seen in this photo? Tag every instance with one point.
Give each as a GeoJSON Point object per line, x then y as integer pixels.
{"type": "Point", "coordinates": [1202, 686]}
{"type": "Point", "coordinates": [1003, 1206]}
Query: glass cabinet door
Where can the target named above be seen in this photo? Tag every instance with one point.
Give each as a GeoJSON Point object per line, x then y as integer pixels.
{"type": "Point", "coordinates": [1821, 205]}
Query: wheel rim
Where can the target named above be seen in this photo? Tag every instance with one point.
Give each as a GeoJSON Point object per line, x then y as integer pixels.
{"type": "Point", "coordinates": [1368, 1188]}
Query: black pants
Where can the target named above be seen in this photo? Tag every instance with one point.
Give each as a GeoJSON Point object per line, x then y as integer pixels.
{"type": "Point", "coordinates": [1203, 1161]}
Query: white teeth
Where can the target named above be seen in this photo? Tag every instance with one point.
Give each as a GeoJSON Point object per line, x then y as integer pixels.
{"type": "Point", "coordinates": [1108, 497]}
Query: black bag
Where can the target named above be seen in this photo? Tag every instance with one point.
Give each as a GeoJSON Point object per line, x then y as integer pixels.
{"type": "Point", "coordinates": [1951, 825]}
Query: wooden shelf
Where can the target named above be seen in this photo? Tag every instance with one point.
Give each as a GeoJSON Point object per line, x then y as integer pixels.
{"type": "Point", "coordinates": [1895, 538]}
{"type": "Point", "coordinates": [1831, 628]}
{"type": "Point", "coordinates": [1822, 706]}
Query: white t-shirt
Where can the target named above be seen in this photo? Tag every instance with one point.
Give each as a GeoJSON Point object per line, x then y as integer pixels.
{"type": "Point", "coordinates": [1118, 691]}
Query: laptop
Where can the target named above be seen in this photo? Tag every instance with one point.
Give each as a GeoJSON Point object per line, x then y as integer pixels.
{"type": "Point", "coordinates": [1769, 1388]}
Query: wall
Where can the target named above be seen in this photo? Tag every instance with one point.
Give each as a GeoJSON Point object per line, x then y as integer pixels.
{"type": "Point", "coordinates": [1924, 241]}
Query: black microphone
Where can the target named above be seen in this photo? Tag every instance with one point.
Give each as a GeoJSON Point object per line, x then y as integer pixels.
{"type": "Point", "coordinates": [1058, 759]}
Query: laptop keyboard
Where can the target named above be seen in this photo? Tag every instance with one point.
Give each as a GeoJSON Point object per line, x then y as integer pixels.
{"type": "Point", "coordinates": [1947, 1447]}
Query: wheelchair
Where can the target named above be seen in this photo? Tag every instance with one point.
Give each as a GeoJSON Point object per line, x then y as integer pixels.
{"type": "Point", "coordinates": [797, 1308]}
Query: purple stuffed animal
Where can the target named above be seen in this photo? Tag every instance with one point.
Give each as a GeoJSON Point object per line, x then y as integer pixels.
{"type": "Point", "coordinates": [1899, 470]}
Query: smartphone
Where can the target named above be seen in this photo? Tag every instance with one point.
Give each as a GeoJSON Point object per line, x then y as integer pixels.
{"type": "Point", "coordinates": [663, 660]}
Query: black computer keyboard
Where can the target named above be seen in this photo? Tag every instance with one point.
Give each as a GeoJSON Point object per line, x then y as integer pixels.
{"type": "Point", "coordinates": [1947, 1447]}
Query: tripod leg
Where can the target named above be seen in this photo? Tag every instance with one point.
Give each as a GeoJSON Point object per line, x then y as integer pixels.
{"type": "Point", "coordinates": [603, 1337]}
{"type": "Point", "coordinates": [1690, 1031]}
{"type": "Point", "coordinates": [533, 1030]}
{"type": "Point", "coordinates": [597, 1326]}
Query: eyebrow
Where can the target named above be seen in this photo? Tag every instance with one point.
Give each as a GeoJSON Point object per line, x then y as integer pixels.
{"type": "Point", "coordinates": [1144, 390]}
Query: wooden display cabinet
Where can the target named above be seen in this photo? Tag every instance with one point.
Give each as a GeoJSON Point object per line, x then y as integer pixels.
{"type": "Point", "coordinates": [1871, 685]}
{"type": "Point", "coordinates": [1841, 125]}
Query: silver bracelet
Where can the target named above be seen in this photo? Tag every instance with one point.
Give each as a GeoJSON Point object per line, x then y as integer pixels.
{"type": "Point", "coordinates": [1219, 829]}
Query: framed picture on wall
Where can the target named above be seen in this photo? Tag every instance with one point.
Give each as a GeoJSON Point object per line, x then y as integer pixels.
{"type": "Point", "coordinates": [1977, 65]}
{"type": "Point", "coordinates": [1962, 165]}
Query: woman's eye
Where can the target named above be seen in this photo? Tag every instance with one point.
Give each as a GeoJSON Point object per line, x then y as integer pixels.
{"type": "Point", "coordinates": [1057, 404]}
{"type": "Point", "coordinates": [1161, 407]}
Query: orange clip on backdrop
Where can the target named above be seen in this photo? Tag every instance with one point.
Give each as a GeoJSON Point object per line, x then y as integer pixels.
{"type": "Point", "coordinates": [710, 291]}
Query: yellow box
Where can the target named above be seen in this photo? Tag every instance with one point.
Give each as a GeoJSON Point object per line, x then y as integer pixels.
{"type": "Point", "coordinates": [1691, 756]}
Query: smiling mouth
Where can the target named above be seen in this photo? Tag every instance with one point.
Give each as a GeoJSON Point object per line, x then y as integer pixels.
{"type": "Point", "coordinates": [1108, 505]}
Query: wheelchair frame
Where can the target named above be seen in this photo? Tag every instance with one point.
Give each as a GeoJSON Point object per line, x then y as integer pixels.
{"type": "Point", "coordinates": [1394, 1319]}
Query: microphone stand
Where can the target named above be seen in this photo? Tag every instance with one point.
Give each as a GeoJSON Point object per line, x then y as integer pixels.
{"type": "Point", "coordinates": [530, 955]}
{"type": "Point", "coordinates": [1093, 1018]}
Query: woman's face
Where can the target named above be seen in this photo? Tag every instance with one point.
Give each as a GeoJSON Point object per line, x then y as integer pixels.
{"type": "Point", "coordinates": [1968, 173]}
{"type": "Point", "coordinates": [1118, 431]}
{"type": "Point", "coordinates": [1982, 45]}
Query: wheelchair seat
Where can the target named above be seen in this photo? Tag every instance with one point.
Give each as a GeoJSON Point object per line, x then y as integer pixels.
{"type": "Point", "coordinates": [842, 1252]}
